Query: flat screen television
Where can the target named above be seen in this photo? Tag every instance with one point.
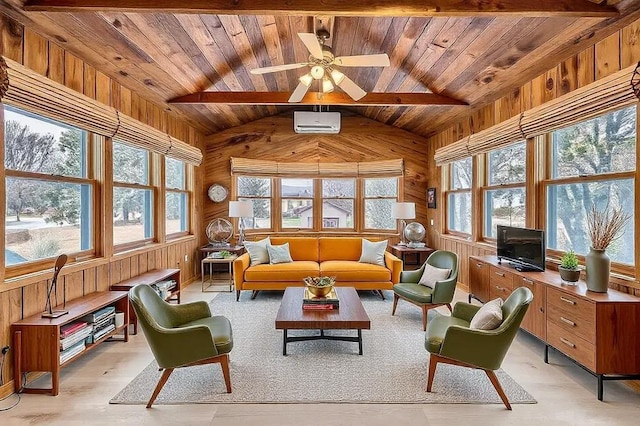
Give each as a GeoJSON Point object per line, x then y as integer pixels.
{"type": "Point", "coordinates": [523, 247]}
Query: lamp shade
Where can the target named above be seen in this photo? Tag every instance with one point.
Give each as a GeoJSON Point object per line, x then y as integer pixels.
{"type": "Point", "coordinates": [403, 210]}
{"type": "Point", "coordinates": [240, 209]}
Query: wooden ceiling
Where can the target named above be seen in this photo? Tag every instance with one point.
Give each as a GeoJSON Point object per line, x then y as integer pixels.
{"type": "Point", "coordinates": [471, 55]}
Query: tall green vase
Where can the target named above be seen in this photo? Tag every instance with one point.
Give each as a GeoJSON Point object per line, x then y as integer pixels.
{"type": "Point", "coordinates": [598, 268]}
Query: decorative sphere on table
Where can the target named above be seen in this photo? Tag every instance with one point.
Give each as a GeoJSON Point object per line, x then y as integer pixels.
{"type": "Point", "coordinates": [414, 232]}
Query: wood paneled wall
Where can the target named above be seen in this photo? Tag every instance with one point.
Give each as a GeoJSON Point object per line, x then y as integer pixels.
{"type": "Point", "coordinates": [26, 296]}
{"type": "Point", "coordinates": [273, 138]}
{"type": "Point", "coordinates": [614, 53]}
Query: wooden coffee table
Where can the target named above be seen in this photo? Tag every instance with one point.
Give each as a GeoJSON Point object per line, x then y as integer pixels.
{"type": "Point", "coordinates": [350, 316]}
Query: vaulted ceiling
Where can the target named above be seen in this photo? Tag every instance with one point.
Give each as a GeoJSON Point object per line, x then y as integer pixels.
{"type": "Point", "coordinates": [165, 49]}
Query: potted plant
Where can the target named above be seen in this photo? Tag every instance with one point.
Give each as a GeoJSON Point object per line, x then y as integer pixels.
{"type": "Point", "coordinates": [569, 268]}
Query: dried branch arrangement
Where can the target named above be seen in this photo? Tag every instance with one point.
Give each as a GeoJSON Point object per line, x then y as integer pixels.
{"type": "Point", "coordinates": [605, 228]}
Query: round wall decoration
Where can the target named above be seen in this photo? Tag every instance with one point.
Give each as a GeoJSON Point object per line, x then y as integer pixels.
{"type": "Point", "coordinates": [217, 193]}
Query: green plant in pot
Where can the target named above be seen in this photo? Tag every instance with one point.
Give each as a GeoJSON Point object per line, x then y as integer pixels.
{"type": "Point", "coordinates": [569, 267]}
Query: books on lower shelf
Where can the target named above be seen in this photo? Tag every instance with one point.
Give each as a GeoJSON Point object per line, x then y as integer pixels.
{"type": "Point", "coordinates": [74, 350]}
{"type": "Point", "coordinates": [74, 338]}
{"type": "Point", "coordinates": [312, 302]}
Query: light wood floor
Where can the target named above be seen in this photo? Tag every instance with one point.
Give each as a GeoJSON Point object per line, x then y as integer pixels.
{"type": "Point", "coordinates": [565, 395]}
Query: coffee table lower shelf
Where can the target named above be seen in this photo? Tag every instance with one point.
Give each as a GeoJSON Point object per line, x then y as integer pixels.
{"type": "Point", "coordinates": [321, 336]}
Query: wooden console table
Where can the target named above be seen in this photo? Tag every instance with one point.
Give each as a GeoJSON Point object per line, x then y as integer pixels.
{"type": "Point", "coordinates": [36, 340]}
{"type": "Point", "coordinates": [419, 255]}
{"type": "Point", "coordinates": [596, 330]}
{"type": "Point", "coordinates": [152, 277]}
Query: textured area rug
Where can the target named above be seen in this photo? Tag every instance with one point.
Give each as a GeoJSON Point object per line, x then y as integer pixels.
{"type": "Point", "coordinates": [393, 368]}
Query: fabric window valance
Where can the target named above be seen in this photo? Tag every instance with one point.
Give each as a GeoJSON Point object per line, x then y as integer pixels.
{"type": "Point", "coordinates": [254, 167]}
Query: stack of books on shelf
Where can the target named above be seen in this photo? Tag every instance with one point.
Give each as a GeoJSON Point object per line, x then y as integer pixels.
{"type": "Point", "coordinates": [72, 339]}
{"type": "Point", "coordinates": [102, 322]}
{"type": "Point", "coordinates": [311, 302]}
{"type": "Point", "coordinates": [163, 288]}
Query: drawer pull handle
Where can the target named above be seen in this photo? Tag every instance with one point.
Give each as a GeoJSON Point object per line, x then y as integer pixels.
{"type": "Point", "coordinates": [527, 280]}
{"type": "Point", "coordinates": [569, 301]}
{"type": "Point", "coordinates": [479, 265]}
{"type": "Point", "coordinates": [568, 343]}
{"type": "Point", "coordinates": [568, 321]}
{"type": "Point", "coordinates": [500, 288]}
{"type": "Point", "coordinates": [500, 274]}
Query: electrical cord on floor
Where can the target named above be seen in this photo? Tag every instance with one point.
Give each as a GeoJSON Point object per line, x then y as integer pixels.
{"type": "Point", "coordinates": [2, 383]}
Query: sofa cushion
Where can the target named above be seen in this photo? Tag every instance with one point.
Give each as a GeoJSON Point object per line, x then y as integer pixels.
{"type": "Point", "coordinates": [301, 248]}
{"type": "Point", "coordinates": [293, 271]}
{"type": "Point", "coordinates": [339, 248]}
{"type": "Point", "coordinates": [345, 270]}
{"type": "Point", "coordinates": [373, 252]}
{"type": "Point", "coordinates": [258, 251]}
{"type": "Point", "coordinates": [279, 254]}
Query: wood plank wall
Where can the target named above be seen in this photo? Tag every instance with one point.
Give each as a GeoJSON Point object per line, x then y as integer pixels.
{"type": "Point", "coordinates": [620, 50]}
{"type": "Point", "coordinates": [24, 297]}
{"type": "Point", "coordinates": [273, 138]}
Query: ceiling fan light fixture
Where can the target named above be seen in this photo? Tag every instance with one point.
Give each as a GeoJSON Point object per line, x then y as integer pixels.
{"type": "Point", "coordinates": [306, 79]}
{"type": "Point", "coordinates": [327, 85]}
{"type": "Point", "coordinates": [317, 72]}
{"type": "Point", "coordinates": [337, 76]}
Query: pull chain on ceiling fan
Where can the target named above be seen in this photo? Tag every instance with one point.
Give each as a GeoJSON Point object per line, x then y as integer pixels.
{"type": "Point", "coordinates": [324, 68]}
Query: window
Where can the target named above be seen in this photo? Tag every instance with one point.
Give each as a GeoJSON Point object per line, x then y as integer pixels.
{"type": "Point", "coordinates": [49, 190]}
{"type": "Point", "coordinates": [318, 204]}
{"type": "Point", "coordinates": [459, 196]}
{"type": "Point", "coordinates": [592, 162]}
{"type": "Point", "coordinates": [297, 203]}
{"type": "Point", "coordinates": [258, 190]}
{"type": "Point", "coordinates": [505, 194]}
{"type": "Point", "coordinates": [338, 199]}
{"type": "Point", "coordinates": [379, 196]}
{"type": "Point", "coordinates": [132, 196]}
{"type": "Point", "coordinates": [176, 197]}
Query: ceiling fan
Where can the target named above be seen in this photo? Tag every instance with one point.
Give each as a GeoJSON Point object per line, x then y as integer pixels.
{"type": "Point", "coordinates": [324, 67]}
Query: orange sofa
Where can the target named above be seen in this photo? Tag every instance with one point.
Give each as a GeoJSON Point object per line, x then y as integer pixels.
{"type": "Point", "coordinates": [317, 256]}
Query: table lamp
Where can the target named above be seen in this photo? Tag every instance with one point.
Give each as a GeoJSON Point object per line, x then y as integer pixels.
{"type": "Point", "coordinates": [403, 211]}
{"type": "Point", "coordinates": [48, 308]}
{"type": "Point", "coordinates": [240, 209]}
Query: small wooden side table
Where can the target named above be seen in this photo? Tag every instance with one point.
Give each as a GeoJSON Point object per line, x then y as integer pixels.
{"type": "Point", "coordinates": [216, 261]}
{"type": "Point", "coordinates": [416, 255]}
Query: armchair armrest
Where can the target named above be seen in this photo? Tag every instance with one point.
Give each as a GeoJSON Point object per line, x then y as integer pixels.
{"type": "Point", "coordinates": [239, 266]}
{"type": "Point", "coordinates": [482, 348]}
{"type": "Point", "coordinates": [181, 346]}
{"type": "Point", "coordinates": [464, 311]}
{"type": "Point", "coordinates": [443, 290]}
{"type": "Point", "coordinates": [187, 312]}
{"type": "Point", "coordinates": [395, 265]}
{"type": "Point", "coordinates": [412, 276]}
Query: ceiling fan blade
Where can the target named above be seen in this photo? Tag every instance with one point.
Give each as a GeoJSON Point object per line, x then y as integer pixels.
{"type": "Point", "coordinates": [299, 93]}
{"type": "Point", "coordinates": [351, 89]}
{"type": "Point", "coordinates": [313, 45]}
{"type": "Point", "coordinates": [276, 68]}
{"type": "Point", "coordinates": [380, 60]}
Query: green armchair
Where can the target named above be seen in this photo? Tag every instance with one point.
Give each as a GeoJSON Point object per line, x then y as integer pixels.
{"type": "Point", "coordinates": [181, 335]}
{"type": "Point", "coordinates": [422, 296]}
{"type": "Point", "coordinates": [450, 340]}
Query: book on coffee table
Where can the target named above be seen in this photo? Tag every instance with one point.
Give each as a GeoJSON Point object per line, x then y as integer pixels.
{"type": "Point", "coordinates": [330, 301]}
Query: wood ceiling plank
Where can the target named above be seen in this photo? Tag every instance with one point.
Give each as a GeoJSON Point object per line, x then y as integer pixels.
{"type": "Point", "coordinates": [382, 38]}
{"type": "Point", "coordinates": [257, 43]}
{"type": "Point", "coordinates": [575, 8]}
{"type": "Point", "coordinates": [334, 98]}
{"type": "Point", "coordinates": [269, 30]}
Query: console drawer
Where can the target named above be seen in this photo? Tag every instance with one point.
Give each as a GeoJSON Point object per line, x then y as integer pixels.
{"type": "Point", "coordinates": [572, 305]}
{"type": "Point", "coordinates": [501, 283]}
{"type": "Point", "coordinates": [572, 323]}
{"type": "Point", "coordinates": [572, 345]}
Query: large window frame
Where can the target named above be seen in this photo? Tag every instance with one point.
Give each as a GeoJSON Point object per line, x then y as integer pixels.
{"type": "Point", "coordinates": [181, 191]}
{"type": "Point", "coordinates": [456, 190]}
{"type": "Point", "coordinates": [150, 195]}
{"type": "Point", "coordinates": [87, 192]}
{"type": "Point", "coordinates": [276, 199]}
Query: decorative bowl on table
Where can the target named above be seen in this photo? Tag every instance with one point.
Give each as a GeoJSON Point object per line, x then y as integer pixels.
{"type": "Point", "coordinates": [320, 286]}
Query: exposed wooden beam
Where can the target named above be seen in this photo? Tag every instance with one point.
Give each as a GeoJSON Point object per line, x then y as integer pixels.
{"type": "Point", "coordinates": [314, 98]}
{"type": "Point", "coordinates": [531, 8]}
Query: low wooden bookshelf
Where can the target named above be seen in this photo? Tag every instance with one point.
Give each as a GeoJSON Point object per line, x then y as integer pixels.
{"type": "Point", "coordinates": [152, 277]}
{"type": "Point", "coordinates": [36, 340]}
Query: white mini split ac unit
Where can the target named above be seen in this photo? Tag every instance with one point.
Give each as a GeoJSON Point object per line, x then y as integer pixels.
{"type": "Point", "coordinates": [316, 122]}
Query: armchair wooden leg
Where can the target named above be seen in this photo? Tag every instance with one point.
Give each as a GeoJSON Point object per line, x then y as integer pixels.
{"type": "Point", "coordinates": [425, 310]}
{"type": "Point", "coordinates": [433, 362]}
{"type": "Point", "coordinates": [395, 303]}
{"type": "Point", "coordinates": [163, 379]}
{"type": "Point", "coordinates": [496, 384]}
{"type": "Point", "coordinates": [224, 363]}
